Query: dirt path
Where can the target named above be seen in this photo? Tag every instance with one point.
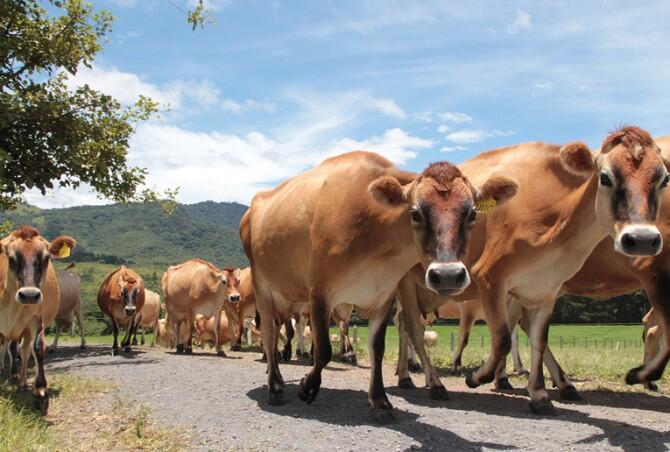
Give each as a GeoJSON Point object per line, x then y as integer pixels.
{"type": "Point", "coordinates": [223, 401]}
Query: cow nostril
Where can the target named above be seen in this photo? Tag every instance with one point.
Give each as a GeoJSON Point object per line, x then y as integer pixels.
{"type": "Point", "coordinates": [433, 277]}
{"type": "Point", "coordinates": [627, 241]}
{"type": "Point", "coordinates": [656, 243]}
{"type": "Point", "coordinates": [460, 276]}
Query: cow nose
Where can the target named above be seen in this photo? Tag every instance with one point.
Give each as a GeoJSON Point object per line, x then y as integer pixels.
{"type": "Point", "coordinates": [641, 241]}
{"type": "Point", "coordinates": [130, 310]}
{"type": "Point", "coordinates": [447, 278]}
{"type": "Point", "coordinates": [234, 298]}
{"type": "Point", "coordinates": [29, 295]}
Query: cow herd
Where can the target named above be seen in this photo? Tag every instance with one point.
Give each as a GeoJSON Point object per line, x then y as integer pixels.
{"type": "Point", "coordinates": [498, 237]}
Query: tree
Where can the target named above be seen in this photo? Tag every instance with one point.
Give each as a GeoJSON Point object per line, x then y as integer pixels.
{"type": "Point", "coordinates": [51, 135]}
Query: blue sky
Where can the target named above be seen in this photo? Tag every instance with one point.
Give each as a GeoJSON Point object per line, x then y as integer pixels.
{"type": "Point", "coordinates": [273, 87]}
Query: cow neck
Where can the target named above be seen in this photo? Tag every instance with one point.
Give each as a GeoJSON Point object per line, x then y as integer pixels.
{"type": "Point", "coordinates": [583, 223]}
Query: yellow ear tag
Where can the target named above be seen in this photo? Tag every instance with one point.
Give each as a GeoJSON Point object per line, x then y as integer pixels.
{"type": "Point", "coordinates": [486, 205]}
{"type": "Point", "coordinates": [64, 251]}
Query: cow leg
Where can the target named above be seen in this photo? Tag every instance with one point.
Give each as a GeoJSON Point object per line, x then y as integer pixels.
{"type": "Point", "coordinates": [380, 407]}
{"type": "Point", "coordinates": [270, 337]}
{"type": "Point", "coordinates": [134, 342]}
{"type": "Point", "coordinates": [516, 356]}
{"type": "Point", "coordinates": [539, 332]}
{"type": "Point", "coordinates": [236, 346]}
{"type": "Point", "coordinates": [217, 334]}
{"type": "Point", "coordinates": [514, 312]}
{"type": "Point", "coordinates": [495, 308]}
{"type": "Point", "coordinates": [54, 345]}
{"type": "Point", "coordinates": [115, 345]}
{"type": "Point", "coordinates": [416, 330]}
{"type": "Point", "coordinates": [40, 394]}
{"type": "Point", "coordinates": [190, 328]}
{"type": "Point", "coordinates": [402, 368]}
{"type": "Point", "coordinates": [300, 333]}
{"type": "Point", "coordinates": [465, 324]}
{"type": "Point", "coordinates": [658, 292]}
{"type": "Point", "coordinates": [652, 339]}
{"type": "Point", "coordinates": [14, 360]}
{"type": "Point", "coordinates": [287, 352]}
{"type": "Point", "coordinates": [80, 321]}
{"type": "Point", "coordinates": [130, 328]}
{"type": "Point", "coordinates": [347, 353]}
{"type": "Point", "coordinates": [323, 352]}
{"type": "Point", "coordinates": [25, 351]}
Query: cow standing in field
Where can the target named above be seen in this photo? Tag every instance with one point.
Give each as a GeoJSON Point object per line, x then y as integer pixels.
{"type": "Point", "coordinates": [346, 232]}
{"type": "Point", "coordinates": [569, 201]}
{"type": "Point", "coordinates": [198, 287]}
{"type": "Point", "coordinates": [245, 309]}
{"type": "Point", "coordinates": [120, 297]}
{"type": "Point", "coordinates": [30, 298]}
{"type": "Point", "coordinates": [205, 334]}
{"type": "Point", "coordinates": [69, 309]}
{"type": "Point", "coordinates": [148, 315]}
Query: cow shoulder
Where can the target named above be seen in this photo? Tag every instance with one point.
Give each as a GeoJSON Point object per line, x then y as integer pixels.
{"type": "Point", "coordinates": [204, 282]}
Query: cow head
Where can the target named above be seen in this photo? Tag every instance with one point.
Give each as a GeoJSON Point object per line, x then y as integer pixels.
{"type": "Point", "coordinates": [131, 289]}
{"type": "Point", "coordinates": [28, 255]}
{"type": "Point", "coordinates": [231, 278]}
{"type": "Point", "coordinates": [631, 174]}
{"type": "Point", "coordinates": [442, 208]}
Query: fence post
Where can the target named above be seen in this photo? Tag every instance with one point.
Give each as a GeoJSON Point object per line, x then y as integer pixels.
{"type": "Point", "coordinates": [452, 341]}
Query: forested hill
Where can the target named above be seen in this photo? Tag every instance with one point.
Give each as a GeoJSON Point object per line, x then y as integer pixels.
{"type": "Point", "coordinates": [143, 233]}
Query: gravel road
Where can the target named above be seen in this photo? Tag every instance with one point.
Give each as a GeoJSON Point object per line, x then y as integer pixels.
{"type": "Point", "coordinates": [223, 402]}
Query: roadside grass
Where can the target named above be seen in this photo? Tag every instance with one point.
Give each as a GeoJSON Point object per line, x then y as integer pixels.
{"type": "Point", "coordinates": [80, 417]}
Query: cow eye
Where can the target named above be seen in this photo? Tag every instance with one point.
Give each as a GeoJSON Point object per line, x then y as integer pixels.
{"type": "Point", "coordinates": [666, 179]}
{"type": "Point", "coordinates": [416, 216]}
{"type": "Point", "coordinates": [605, 180]}
{"type": "Point", "coordinates": [472, 215]}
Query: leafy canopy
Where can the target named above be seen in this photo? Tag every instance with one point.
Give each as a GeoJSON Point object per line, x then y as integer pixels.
{"type": "Point", "coordinates": [51, 135]}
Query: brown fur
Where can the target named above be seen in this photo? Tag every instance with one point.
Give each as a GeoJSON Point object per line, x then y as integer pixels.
{"type": "Point", "coordinates": [630, 137]}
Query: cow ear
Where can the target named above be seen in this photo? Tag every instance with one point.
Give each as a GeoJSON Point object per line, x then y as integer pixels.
{"type": "Point", "coordinates": [577, 159]}
{"type": "Point", "coordinates": [387, 191]}
{"type": "Point", "coordinates": [495, 191]}
{"type": "Point", "coordinates": [60, 247]}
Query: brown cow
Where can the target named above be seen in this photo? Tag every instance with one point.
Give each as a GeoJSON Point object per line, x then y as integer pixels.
{"type": "Point", "coordinates": [346, 232]}
{"type": "Point", "coordinates": [245, 309]}
{"type": "Point", "coordinates": [29, 300]}
{"type": "Point", "coordinates": [163, 334]}
{"type": "Point", "coordinates": [198, 287]}
{"type": "Point", "coordinates": [568, 202]}
{"type": "Point", "coordinates": [69, 309]}
{"type": "Point", "coordinates": [120, 297]}
{"type": "Point", "coordinates": [148, 315]}
{"type": "Point", "coordinates": [205, 334]}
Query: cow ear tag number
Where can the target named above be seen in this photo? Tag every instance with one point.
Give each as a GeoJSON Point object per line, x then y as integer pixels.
{"type": "Point", "coordinates": [64, 251]}
{"type": "Point", "coordinates": [486, 205]}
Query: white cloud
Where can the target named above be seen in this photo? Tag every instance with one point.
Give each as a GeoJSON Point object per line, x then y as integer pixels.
{"type": "Point", "coordinates": [455, 117]}
{"type": "Point", "coordinates": [544, 85]}
{"type": "Point", "coordinates": [211, 5]}
{"type": "Point", "coordinates": [443, 128]}
{"type": "Point", "coordinates": [386, 106]}
{"type": "Point", "coordinates": [453, 148]}
{"type": "Point", "coordinates": [395, 144]}
{"type": "Point", "coordinates": [521, 22]}
{"type": "Point", "coordinates": [248, 105]}
{"type": "Point", "coordinates": [475, 135]}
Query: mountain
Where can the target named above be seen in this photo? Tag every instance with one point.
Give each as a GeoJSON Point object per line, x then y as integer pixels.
{"type": "Point", "coordinates": [143, 233]}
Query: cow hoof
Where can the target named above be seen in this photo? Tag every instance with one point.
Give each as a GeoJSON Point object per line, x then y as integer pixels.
{"type": "Point", "coordinates": [115, 351]}
{"type": "Point", "coordinates": [286, 355]}
{"type": "Point", "coordinates": [503, 384]}
{"type": "Point", "coordinates": [221, 353]}
{"type": "Point", "coordinates": [542, 407]}
{"type": "Point", "coordinates": [632, 377]}
{"type": "Point", "coordinates": [188, 351]}
{"type": "Point", "coordinates": [83, 347]}
{"type": "Point", "coordinates": [438, 393]}
{"type": "Point", "coordinates": [382, 415]}
{"type": "Point", "coordinates": [134, 342]}
{"type": "Point", "coordinates": [414, 367]}
{"type": "Point", "coordinates": [41, 403]}
{"type": "Point", "coordinates": [570, 393]}
{"type": "Point", "coordinates": [470, 381]}
{"type": "Point", "coordinates": [276, 398]}
{"type": "Point", "coordinates": [349, 358]}
{"type": "Point", "coordinates": [126, 349]}
{"type": "Point", "coordinates": [51, 350]}
{"type": "Point", "coordinates": [651, 386]}
{"type": "Point", "coordinates": [406, 383]}
{"type": "Point", "coordinates": [308, 390]}
{"type": "Point", "coordinates": [235, 348]}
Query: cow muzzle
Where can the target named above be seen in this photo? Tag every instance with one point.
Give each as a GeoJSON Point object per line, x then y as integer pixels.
{"type": "Point", "coordinates": [447, 279]}
{"type": "Point", "coordinates": [28, 295]}
{"type": "Point", "coordinates": [639, 241]}
{"type": "Point", "coordinates": [130, 311]}
{"type": "Point", "coordinates": [235, 298]}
